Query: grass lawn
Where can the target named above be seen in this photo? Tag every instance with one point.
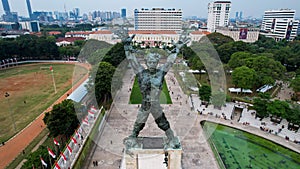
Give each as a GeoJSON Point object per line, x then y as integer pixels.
{"type": "Point", "coordinates": [31, 92]}
{"type": "Point", "coordinates": [136, 96]}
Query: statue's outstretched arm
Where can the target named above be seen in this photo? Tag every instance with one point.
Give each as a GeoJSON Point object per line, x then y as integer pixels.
{"type": "Point", "coordinates": [173, 54]}
{"type": "Point", "coordinates": [129, 52]}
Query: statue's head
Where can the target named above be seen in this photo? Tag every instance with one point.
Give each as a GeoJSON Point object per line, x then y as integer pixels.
{"type": "Point", "coordinates": [152, 60]}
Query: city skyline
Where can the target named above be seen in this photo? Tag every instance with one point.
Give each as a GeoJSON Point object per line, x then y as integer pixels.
{"type": "Point", "coordinates": [253, 8]}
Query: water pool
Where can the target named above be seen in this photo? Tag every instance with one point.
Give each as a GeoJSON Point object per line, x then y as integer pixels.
{"type": "Point", "coordinates": [240, 150]}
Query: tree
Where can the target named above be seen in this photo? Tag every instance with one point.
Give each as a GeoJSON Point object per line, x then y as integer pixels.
{"type": "Point", "coordinates": [205, 92]}
{"type": "Point", "coordinates": [293, 116]}
{"type": "Point", "coordinates": [266, 43]}
{"type": "Point", "coordinates": [33, 159]}
{"type": "Point", "coordinates": [115, 55]}
{"type": "Point", "coordinates": [278, 108]}
{"type": "Point", "coordinates": [260, 106]}
{"type": "Point", "coordinates": [62, 119]}
{"type": "Point", "coordinates": [226, 50]}
{"type": "Point", "coordinates": [243, 77]}
{"type": "Point", "coordinates": [238, 59]}
{"type": "Point", "coordinates": [103, 80]}
{"type": "Point", "coordinates": [295, 84]}
{"type": "Point", "coordinates": [218, 39]}
{"type": "Point", "coordinates": [267, 70]}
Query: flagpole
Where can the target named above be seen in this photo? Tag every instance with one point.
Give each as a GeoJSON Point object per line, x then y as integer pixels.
{"type": "Point", "coordinates": [42, 162]}
{"type": "Point", "coordinates": [49, 157]}
{"type": "Point", "coordinates": [53, 80]}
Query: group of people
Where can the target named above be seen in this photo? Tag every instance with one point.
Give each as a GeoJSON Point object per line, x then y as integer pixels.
{"type": "Point", "coordinates": [95, 163]}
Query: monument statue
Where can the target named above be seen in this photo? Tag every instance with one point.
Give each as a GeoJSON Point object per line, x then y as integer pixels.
{"type": "Point", "coordinates": [150, 81]}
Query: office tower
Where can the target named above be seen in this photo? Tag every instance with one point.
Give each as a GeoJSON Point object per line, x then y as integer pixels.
{"type": "Point", "coordinates": [29, 9]}
{"type": "Point", "coordinates": [6, 7]}
{"type": "Point", "coordinates": [236, 15]}
{"type": "Point", "coordinates": [280, 24]}
{"type": "Point", "coordinates": [31, 26]}
{"type": "Point", "coordinates": [76, 13]}
{"type": "Point", "coordinates": [123, 13]}
{"type": "Point", "coordinates": [158, 19]}
{"type": "Point", "coordinates": [218, 15]}
{"type": "Point", "coordinates": [241, 15]}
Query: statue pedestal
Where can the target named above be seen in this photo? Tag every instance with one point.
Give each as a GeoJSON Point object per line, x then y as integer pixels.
{"type": "Point", "coordinates": [150, 153]}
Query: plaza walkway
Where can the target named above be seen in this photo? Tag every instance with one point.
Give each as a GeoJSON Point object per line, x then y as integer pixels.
{"type": "Point", "coordinates": [109, 147]}
{"type": "Point", "coordinates": [184, 115]}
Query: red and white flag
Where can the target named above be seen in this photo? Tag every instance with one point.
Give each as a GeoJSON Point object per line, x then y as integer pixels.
{"type": "Point", "coordinates": [63, 156]}
{"type": "Point", "coordinates": [85, 120]}
{"type": "Point", "coordinates": [74, 140]}
{"type": "Point", "coordinates": [56, 142]}
{"type": "Point", "coordinates": [51, 153]}
{"type": "Point", "coordinates": [43, 162]}
{"type": "Point", "coordinates": [93, 109]}
{"type": "Point", "coordinates": [51, 68]}
{"type": "Point", "coordinates": [77, 133]}
{"type": "Point", "coordinates": [69, 149]}
{"type": "Point", "coordinates": [80, 130]}
{"type": "Point", "coordinates": [91, 113]}
{"type": "Point", "coordinates": [57, 166]}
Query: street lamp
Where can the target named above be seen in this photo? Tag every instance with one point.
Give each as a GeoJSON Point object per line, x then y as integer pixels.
{"type": "Point", "coordinates": [11, 112]}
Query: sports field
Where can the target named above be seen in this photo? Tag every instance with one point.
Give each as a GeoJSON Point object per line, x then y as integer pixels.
{"type": "Point", "coordinates": [31, 91]}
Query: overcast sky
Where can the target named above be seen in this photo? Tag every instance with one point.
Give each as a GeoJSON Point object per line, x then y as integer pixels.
{"type": "Point", "coordinates": [254, 8]}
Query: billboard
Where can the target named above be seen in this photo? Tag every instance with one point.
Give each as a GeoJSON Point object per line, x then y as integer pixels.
{"type": "Point", "coordinates": [273, 24]}
{"type": "Point", "coordinates": [243, 33]}
{"type": "Point", "coordinates": [289, 30]}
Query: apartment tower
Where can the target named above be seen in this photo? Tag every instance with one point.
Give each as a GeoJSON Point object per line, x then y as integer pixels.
{"type": "Point", "coordinates": [218, 15]}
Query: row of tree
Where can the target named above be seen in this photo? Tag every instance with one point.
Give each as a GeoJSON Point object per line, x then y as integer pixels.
{"type": "Point", "coordinates": [278, 109]}
{"type": "Point", "coordinates": [253, 64]}
{"type": "Point", "coordinates": [29, 47]}
{"type": "Point", "coordinates": [286, 52]}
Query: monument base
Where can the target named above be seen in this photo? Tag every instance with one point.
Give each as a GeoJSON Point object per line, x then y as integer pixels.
{"type": "Point", "coordinates": [150, 153]}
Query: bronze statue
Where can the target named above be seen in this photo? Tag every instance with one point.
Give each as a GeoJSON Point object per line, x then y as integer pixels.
{"type": "Point", "coordinates": [150, 81]}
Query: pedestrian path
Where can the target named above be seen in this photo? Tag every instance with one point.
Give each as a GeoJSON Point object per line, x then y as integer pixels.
{"type": "Point", "coordinates": [184, 115]}
{"type": "Point", "coordinates": [185, 123]}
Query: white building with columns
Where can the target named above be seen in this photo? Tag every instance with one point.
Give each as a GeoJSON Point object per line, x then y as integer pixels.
{"type": "Point", "coordinates": [154, 38]}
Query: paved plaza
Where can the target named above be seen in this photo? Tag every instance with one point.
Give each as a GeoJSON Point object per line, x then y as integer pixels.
{"type": "Point", "coordinates": [109, 146]}
{"type": "Point", "coordinates": [184, 120]}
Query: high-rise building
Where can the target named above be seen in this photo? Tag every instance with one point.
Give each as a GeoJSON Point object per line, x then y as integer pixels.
{"type": "Point", "coordinates": [6, 7]}
{"type": "Point", "coordinates": [241, 15]}
{"type": "Point", "coordinates": [280, 24]}
{"type": "Point", "coordinates": [237, 15]}
{"type": "Point", "coordinates": [123, 13]}
{"type": "Point", "coordinates": [31, 26]}
{"type": "Point", "coordinates": [218, 14]}
{"type": "Point", "coordinates": [29, 9]}
{"type": "Point", "coordinates": [158, 19]}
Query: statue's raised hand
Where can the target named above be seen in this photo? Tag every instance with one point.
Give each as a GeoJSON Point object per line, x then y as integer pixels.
{"type": "Point", "coordinates": [181, 42]}
{"type": "Point", "coordinates": [128, 40]}
{"type": "Point", "coordinates": [184, 39]}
